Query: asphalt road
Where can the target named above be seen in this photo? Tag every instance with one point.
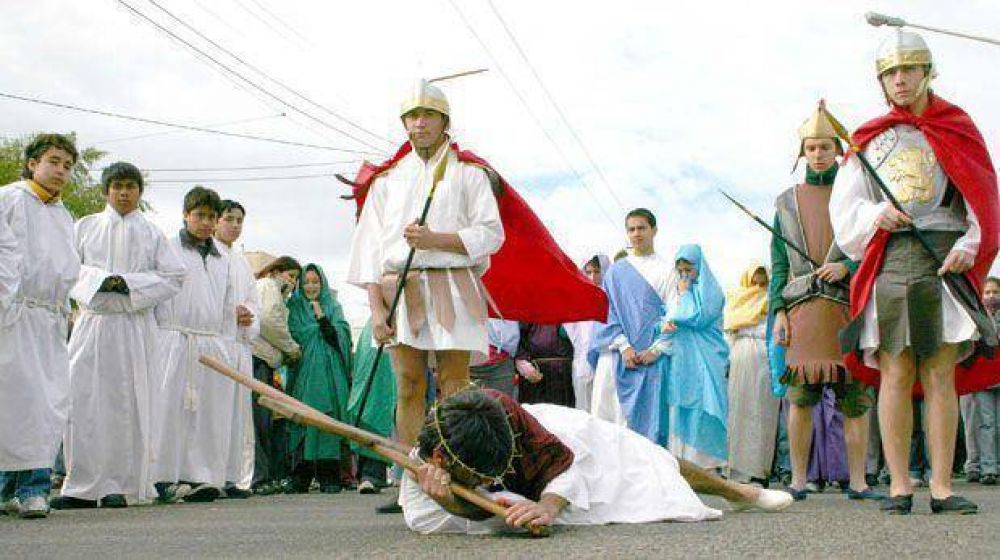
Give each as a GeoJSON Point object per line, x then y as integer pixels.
{"type": "Point", "coordinates": [345, 526]}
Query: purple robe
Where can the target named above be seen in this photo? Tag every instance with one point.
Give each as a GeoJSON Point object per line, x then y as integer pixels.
{"type": "Point", "coordinates": [828, 459]}
{"type": "Point", "coordinates": [550, 350]}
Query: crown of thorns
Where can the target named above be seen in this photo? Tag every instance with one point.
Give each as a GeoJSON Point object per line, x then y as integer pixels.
{"type": "Point", "coordinates": [452, 456]}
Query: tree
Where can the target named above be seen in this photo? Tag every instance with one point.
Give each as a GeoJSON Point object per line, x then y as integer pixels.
{"type": "Point", "coordinates": [82, 195]}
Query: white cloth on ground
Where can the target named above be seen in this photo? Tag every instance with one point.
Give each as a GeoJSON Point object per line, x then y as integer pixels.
{"type": "Point", "coordinates": [34, 364]}
{"type": "Point", "coordinates": [464, 204]}
{"type": "Point", "coordinates": [114, 370]}
{"type": "Point", "coordinates": [617, 476]}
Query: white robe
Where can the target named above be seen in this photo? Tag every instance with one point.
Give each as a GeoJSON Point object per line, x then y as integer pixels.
{"type": "Point", "coordinates": [193, 411]}
{"type": "Point", "coordinates": [239, 468]}
{"type": "Point", "coordinates": [464, 204]}
{"type": "Point", "coordinates": [113, 360]}
{"type": "Point", "coordinates": [617, 476]}
{"type": "Point", "coordinates": [853, 214]}
{"type": "Point", "coordinates": [34, 365]}
{"type": "Point", "coordinates": [580, 335]}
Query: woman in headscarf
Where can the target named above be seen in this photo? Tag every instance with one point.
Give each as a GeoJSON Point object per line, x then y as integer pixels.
{"type": "Point", "coordinates": [694, 394]}
{"type": "Point", "coordinates": [320, 379]}
{"type": "Point", "coordinates": [753, 408]}
{"type": "Point", "coordinates": [581, 333]}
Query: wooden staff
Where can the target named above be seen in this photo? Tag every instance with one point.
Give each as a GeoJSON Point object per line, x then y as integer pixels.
{"type": "Point", "coordinates": [301, 413]}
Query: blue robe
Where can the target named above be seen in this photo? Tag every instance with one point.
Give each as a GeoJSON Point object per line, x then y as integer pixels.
{"type": "Point", "coordinates": [634, 310]}
{"type": "Point", "coordinates": [694, 390]}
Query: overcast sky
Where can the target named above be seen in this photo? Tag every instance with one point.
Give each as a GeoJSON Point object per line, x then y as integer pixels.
{"type": "Point", "coordinates": [671, 100]}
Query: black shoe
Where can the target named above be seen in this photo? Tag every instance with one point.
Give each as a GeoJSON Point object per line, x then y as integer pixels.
{"type": "Point", "coordinates": [114, 501]}
{"type": "Point", "coordinates": [234, 493]}
{"type": "Point", "coordinates": [368, 487]}
{"type": "Point", "coordinates": [203, 493]}
{"type": "Point", "coordinates": [866, 494]}
{"type": "Point", "coordinates": [871, 480]}
{"type": "Point", "coordinates": [798, 495]}
{"type": "Point", "coordinates": [988, 480]}
{"type": "Point", "coordinates": [391, 507]}
{"type": "Point", "coordinates": [956, 505]}
{"type": "Point", "coordinates": [972, 477]}
{"type": "Point", "coordinates": [897, 505]}
{"type": "Point", "coordinates": [66, 502]}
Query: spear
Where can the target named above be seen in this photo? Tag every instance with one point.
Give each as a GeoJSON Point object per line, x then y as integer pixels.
{"type": "Point", "coordinates": [958, 284]}
{"type": "Point", "coordinates": [877, 19]}
{"type": "Point", "coordinates": [301, 413]}
{"type": "Point", "coordinates": [778, 235]}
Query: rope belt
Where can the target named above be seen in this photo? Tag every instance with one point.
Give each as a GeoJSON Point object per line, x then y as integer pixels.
{"type": "Point", "coordinates": [190, 394]}
{"type": "Point", "coordinates": [49, 306]}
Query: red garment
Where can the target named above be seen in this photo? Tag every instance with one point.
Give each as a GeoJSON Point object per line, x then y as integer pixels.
{"type": "Point", "coordinates": [540, 456]}
{"type": "Point", "coordinates": [530, 278]}
{"type": "Point", "coordinates": [961, 151]}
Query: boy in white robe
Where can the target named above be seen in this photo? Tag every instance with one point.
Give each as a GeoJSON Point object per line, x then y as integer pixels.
{"type": "Point", "coordinates": [557, 465]}
{"type": "Point", "coordinates": [128, 267]}
{"type": "Point", "coordinates": [239, 471]}
{"type": "Point", "coordinates": [34, 365]}
{"type": "Point", "coordinates": [194, 409]}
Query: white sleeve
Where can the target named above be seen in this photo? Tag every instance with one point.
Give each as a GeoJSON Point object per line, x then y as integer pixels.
{"type": "Point", "coordinates": [852, 212]}
{"type": "Point", "coordinates": [425, 516]}
{"type": "Point", "coordinates": [484, 235]}
{"type": "Point", "coordinates": [365, 261]}
{"type": "Point", "coordinates": [570, 486]}
{"type": "Point", "coordinates": [10, 263]}
{"type": "Point", "coordinates": [970, 241]}
{"type": "Point", "coordinates": [146, 289]}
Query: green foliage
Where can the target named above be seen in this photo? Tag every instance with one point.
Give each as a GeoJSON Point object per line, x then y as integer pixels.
{"type": "Point", "coordinates": [82, 195]}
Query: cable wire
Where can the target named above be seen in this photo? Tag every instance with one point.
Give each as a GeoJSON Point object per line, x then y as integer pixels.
{"type": "Point", "coordinates": [182, 126]}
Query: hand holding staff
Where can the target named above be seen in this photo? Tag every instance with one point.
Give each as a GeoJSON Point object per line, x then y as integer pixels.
{"type": "Point", "coordinates": [300, 413]}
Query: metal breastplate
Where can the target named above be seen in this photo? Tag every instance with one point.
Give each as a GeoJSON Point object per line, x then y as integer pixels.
{"type": "Point", "coordinates": [905, 162]}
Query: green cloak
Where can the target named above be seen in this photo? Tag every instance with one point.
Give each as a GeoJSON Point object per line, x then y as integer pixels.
{"type": "Point", "coordinates": [321, 378]}
{"type": "Point", "coordinates": [380, 410]}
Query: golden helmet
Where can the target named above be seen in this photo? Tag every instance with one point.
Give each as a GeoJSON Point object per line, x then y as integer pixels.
{"type": "Point", "coordinates": [818, 125]}
{"type": "Point", "coordinates": [423, 95]}
{"type": "Point", "coordinates": [902, 48]}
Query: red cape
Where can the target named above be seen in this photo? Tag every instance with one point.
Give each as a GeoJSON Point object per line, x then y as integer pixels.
{"type": "Point", "coordinates": [530, 278]}
{"type": "Point", "coordinates": [961, 151]}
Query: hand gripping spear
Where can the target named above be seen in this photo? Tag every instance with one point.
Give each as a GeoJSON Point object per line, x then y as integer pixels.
{"type": "Point", "coordinates": [780, 237]}
{"type": "Point", "coordinates": [300, 413]}
{"type": "Point", "coordinates": [401, 283]}
{"type": "Point", "coordinates": [958, 284]}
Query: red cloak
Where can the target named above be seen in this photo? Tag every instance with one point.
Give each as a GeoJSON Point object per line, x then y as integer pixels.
{"type": "Point", "coordinates": [530, 278]}
{"type": "Point", "coordinates": [961, 151]}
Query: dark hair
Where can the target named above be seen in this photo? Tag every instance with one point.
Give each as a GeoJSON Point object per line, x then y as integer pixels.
{"type": "Point", "coordinates": [120, 171]}
{"type": "Point", "coordinates": [595, 262]}
{"type": "Point", "coordinates": [475, 429]}
{"type": "Point", "coordinates": [200, 196]}
{"type": "Point", "coordinates": [228, 205]}
{"type": "Point", "coordinates": [41, 144]}
{"type": "Point", "coordinates": [992, 280]}
{"type": "Point", "coordinates": [279, 264]}
{"type": "Point", "coordinates": [642, 213]}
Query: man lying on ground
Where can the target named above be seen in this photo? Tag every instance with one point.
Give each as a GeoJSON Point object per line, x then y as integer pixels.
{"type": "Point", "coordinates": [554, 465]}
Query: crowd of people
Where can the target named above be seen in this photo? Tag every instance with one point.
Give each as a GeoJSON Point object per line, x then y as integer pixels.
{"type": "Point", "coordinates": [803, 373]}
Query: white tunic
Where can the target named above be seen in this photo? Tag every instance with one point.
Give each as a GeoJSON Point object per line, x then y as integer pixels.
{"type": "Point", "coordinates": [114, 370]}
{"type": "Point", "coordinates": [239, 468]}
{"type": "Point", "coordinates": [617, 476]}
{"type": "Point", "coordinates": [34, 365]}
{"type": "Point", "coordinates": [853, 213]}
{"type": "Point", "coordinates": [580, 334]}
{"type": "Point", "coordinates": [193, 411]}
{"type": "Point", "coordinates": [464, 204]}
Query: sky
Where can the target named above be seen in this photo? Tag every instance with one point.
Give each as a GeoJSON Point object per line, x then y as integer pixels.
{"type": "Point", "coordinates": [657, 104]}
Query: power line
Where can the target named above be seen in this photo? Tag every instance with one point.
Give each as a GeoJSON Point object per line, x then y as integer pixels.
{"type": "Point", "coordinates": [552, 100]}
{"type": "Point", "coordinates": [531, 112]}
{"type": "Point", "coordinates": [163, 132]}
{"type": "Point", "coordinates": [263, 21]}
{"type": "Point", "coordinates": [281, 22]}
{"type": "Point", "coordinates": [266, 75]}
{"type": "Point", "coordinates": [182, 126]}
{"type": "Point", "coordinates": [252, 168]}
{"type": "Point", "coordinates": [244, 78]}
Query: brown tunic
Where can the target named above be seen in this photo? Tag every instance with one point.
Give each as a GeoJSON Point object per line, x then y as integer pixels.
{"type": "Point", "coordinates": [814, 354]}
